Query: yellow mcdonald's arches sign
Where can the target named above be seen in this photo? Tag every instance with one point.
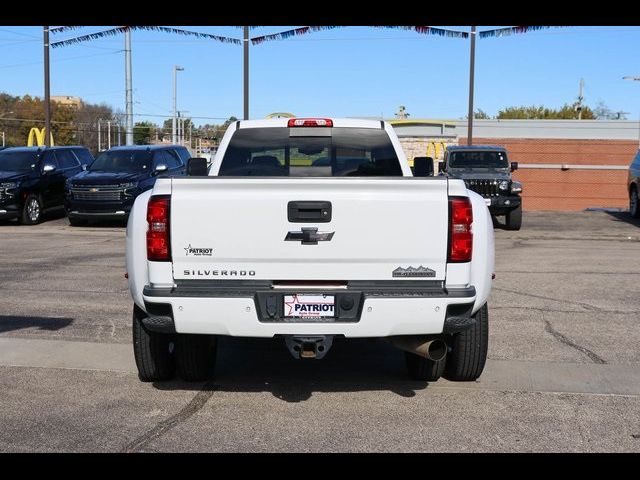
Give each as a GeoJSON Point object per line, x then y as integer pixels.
{"type": "Point", "coordinates": [436, 149]}
{"type": "Point", "coordinates": [37, 134]}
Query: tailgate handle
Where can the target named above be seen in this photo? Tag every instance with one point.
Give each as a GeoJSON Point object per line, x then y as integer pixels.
{"type": "Point", "coordinates": [309, 212]}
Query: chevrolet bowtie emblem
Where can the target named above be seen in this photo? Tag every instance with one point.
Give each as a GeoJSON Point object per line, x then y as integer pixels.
{"type": "Point", "coordinates": [309, 236]}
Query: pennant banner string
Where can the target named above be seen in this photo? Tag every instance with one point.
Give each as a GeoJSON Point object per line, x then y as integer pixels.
{"type": "Point", "coordinates": [117, 30]}
{"type": "Point", "coordinates": [504, 32]}
{"type": "Point", "coordinates": [63, 29]}
{"type": "Point", "coordinates": [425, 30]}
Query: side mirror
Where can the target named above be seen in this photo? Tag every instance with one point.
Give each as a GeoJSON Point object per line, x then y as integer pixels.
{"type": "Point", "coordinates": [160, 168]}
{"type": "Point", "coordinates": [423, 167]}
{"type": "Point", "coordinates": [48, 168]}
{"type": "Point", "coordinates": [514, 166]}
{"type": "Point", "coordinates": [197, 167]}
{"type": "Point", "coordinates": [441, 167]}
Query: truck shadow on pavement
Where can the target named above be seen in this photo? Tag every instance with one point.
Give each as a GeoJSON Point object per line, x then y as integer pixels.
{"type": "Point", "coordinates": [625, 217]}
{"type": "Point", "coordinates": [264, 365]}
{"type": "Point", "coordinates": [10, 323]}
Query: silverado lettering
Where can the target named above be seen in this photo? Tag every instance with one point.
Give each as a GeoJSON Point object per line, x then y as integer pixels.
{"type": "Point", "coordinates": [222, 273]}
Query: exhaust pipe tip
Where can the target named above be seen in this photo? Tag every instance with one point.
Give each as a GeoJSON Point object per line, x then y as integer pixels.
{"type": "Point", "coordinates": [436, 350]}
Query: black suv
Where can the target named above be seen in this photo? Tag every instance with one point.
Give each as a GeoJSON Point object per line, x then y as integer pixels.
{"type": "Point", "coordinates": [486, 171]}
{"type": "Point", "coordinates": [32, 179]}
{"type": "Point", "coordinates": [107, 189]}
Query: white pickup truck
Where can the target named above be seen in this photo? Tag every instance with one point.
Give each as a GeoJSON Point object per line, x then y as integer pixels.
{"type": "Point", "coordinates": [308, 230]}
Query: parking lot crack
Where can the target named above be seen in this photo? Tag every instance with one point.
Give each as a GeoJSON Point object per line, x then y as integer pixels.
{"type": "Point", "coordinates": [563, 339]}
{"type": "Point", "coordinates": [196, 404]}
{"type": "Point", "coordinates": [586, 306]}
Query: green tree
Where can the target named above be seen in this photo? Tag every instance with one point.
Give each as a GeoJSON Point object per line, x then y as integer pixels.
{"type": "Point", "coordinates": [70, 126]}
{"type": "Point", "coordinates": [566, 112]}
{"type": "Point", "coordinates": [142, 132]}
{"type": "Point", "coordinates": [481, 115]}
{"type": "Point", "coordinates": [87, 117]}
{"type": "Point", "coordinates": [63, 124]}
{"type": "Point", "coordinates": [167, 128]}
{"type": "Point", "coordinates": [223, 128]}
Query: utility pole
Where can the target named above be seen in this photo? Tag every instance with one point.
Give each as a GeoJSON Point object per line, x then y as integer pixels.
{"type": "Point", "coordinates": [109, 135]}
{"type": "Point", "coordinates": [472, 66]}
{"type": "Point", "coordinates": [580, 100]}
{"type": "Point", "coordinates": [99, 142]}
{"type": "Point", "coordinates": [246, 73]}
{"type": "Point", "coordinates": [176, 69]}
{"type": "Point", "coordinates": [47, 98]}
{"type": "Point", "coordinates": [128, 87]}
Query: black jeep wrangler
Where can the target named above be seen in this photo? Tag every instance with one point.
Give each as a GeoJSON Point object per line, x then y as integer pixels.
{"type": "Point", "coordinates": [486, 171]}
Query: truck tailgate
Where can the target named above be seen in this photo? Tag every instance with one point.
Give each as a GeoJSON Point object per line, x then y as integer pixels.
{"type": "Point", "coordinates": [225, 228]}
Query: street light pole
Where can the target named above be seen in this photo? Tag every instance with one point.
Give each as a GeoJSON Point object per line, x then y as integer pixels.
{"type": "Point", "coordinates": [176, 69]}
{"type": "Point", "coordinates": [246, 73]}
{"type": "Point", "coordinates": [472, 66]}
{"type": "Point", "coordinates": [47, 98]}
{"type": "Point", "coordinates": [128, 87]}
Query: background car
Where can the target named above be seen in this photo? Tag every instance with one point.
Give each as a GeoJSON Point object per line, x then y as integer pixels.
{"type": "Point", "coordinates": [32, 179]}
{"type": "Point", "coordinates": [108, 188]}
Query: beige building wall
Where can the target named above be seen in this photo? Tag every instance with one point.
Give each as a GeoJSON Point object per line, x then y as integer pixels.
{"type": "Point", "coordinates": [433, 147]}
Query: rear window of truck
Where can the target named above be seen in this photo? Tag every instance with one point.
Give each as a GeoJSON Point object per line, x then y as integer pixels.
{"type": "Point", "coordinates": [313, 152]}
{"type": "Point", "coordinates": [478, 159]}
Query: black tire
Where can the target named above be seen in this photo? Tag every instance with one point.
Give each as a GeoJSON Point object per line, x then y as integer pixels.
{"type": "Point", "coordinates": [420, 368]}
{"type": "Point", "coordinates": [152, 351]}
{"type": "Point", "coordinates": [31, 210]}
{"type": "Point", "coordinates": [196, 356]}
{"type": "Point", "coordinates": [514, 218]}
{"type": "Point", "coordinates": [634, 203]}
{"type": "Point", "coordinates": [76, 222]}
{"type": "Point", "coordinates": [468, 354]}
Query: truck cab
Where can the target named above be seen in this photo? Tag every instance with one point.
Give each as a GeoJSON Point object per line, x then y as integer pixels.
{"type": "Point", "coordinates": [486, 170]}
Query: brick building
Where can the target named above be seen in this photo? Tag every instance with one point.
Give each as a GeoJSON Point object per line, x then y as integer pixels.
{"type": "Point", "coordinates": [564, 164]}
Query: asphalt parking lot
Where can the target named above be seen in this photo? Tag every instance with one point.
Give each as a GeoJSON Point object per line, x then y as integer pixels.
{"type": "Point", "coordinates": [563, 372]}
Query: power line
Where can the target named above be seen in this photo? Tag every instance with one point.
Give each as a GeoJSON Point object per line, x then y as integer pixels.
{"type": "Point", "coordinates": [20, 33]}
{"type": "Point", "coordinates": [60, 59]}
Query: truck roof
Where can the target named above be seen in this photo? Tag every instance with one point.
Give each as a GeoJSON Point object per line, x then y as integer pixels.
{"type": "Point", "coordinates": [40, 148]}
{"type": "Point", "coordinates": [476, 147]}
{"type": "Point", "coordinates": [159, 146]}
{"type": "Point", "coordinates": [337, 122]}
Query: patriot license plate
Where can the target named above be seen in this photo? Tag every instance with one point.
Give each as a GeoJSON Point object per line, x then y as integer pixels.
{"type": "Point", "coordinates": [309, 306]}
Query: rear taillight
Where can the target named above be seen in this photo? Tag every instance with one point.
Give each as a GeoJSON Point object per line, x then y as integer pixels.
{"type": "Point", "coordinates": [310, 122]}
{"type": "Point", "coordinates": [460, 234]}
{"type": "Point", "coordinates": [158, 245]}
